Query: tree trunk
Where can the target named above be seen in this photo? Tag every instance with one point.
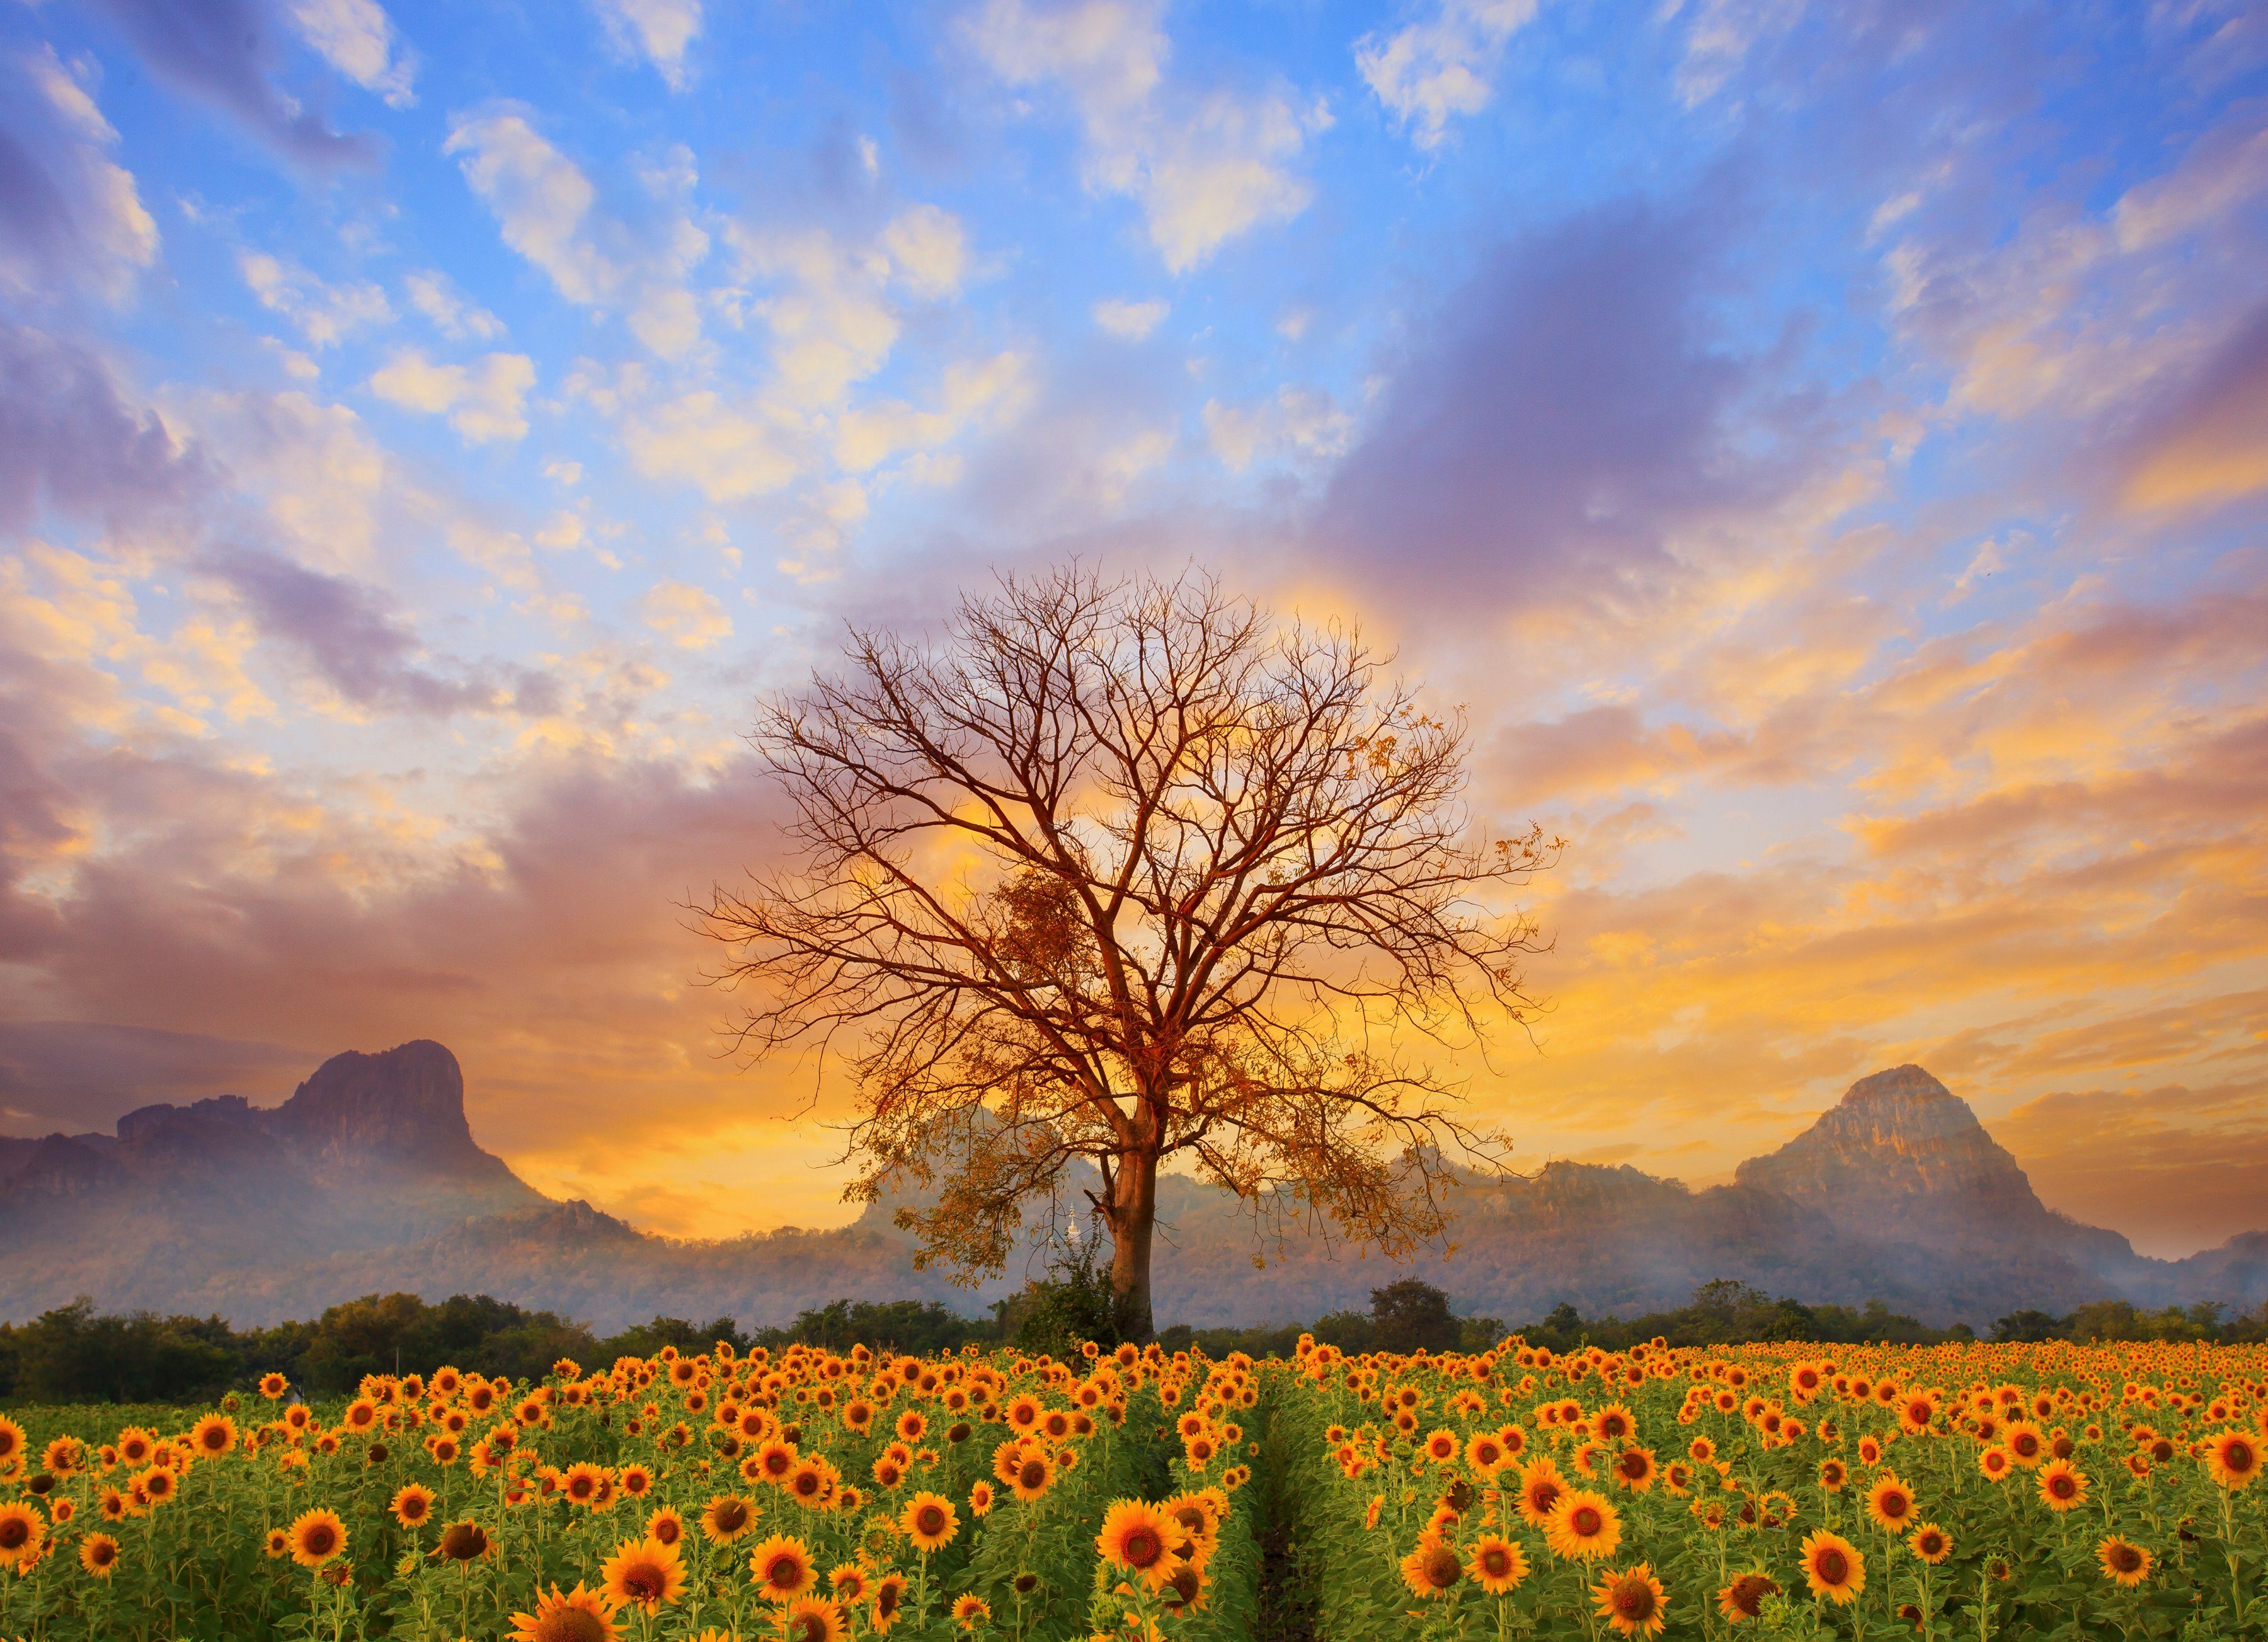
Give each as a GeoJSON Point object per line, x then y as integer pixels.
{"type": "Point", "coordinates": [1133, 1217]}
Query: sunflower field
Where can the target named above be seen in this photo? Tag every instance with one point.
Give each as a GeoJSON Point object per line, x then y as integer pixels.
{"type": "Point", "coordinates": [1955, 1491]}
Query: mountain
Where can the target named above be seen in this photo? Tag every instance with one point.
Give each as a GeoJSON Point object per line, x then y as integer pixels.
{"type": "Point", "coordinates": [368, 1179]}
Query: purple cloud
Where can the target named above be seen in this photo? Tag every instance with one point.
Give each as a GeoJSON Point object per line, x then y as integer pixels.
{"type": "Point", "coordinates": [1564, 412]}
{"type": "Point", "coordinates": [223, 52]}
{"type": "Point", "coordinates": [347, 632]}
{"type": "Point", "coordinates": [70, 442]}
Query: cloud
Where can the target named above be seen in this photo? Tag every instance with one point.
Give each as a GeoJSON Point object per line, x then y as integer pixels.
{"type": "Point", "coordinates": [1429, 72]}
{"type": "Point", "coordinates": [73, 1076]}
{"type": "Point", "coordinates": [831, 321]}
{"type": "Point", "coordinates": [1564, 414]}
{"type": "Point", "coordinates": [318, 478]}
{"type": "Point", "coordinates": [730, 452]}
{"type": "Point", "coordinates": [973, 392]}
{"type": "Point", "coordinates": [435, 295]}
{"type": "Point", "coordinates": [222, 53]}
{"type": "Point", "coordinates": [69, 441]}
{"type": "Point", "coordinates": [928, 249]}
{"type": "Point", "coordinates": [691, 617]}
{"type": "Point", "coordinates": [548, 212]}
{"type": "Point", "coordinates": [2223, 170]}
{"type": "Point", "coordinates": [484, 402]}
{"type": "Point", "coordinates": [658, 30]}
{"type": "Point", "coordinates": [2175, 1166]}
{"type": "Point", "coordinates": [1299, 422]}
{"type": "Point", "coordinates": [71, 216]}
{"type": "Point", "coordinates": [324, 313]}
{"type": "Point", "coordinates": [2092, 317]}
{"type": "Point", "coordinates": [1205, 166]}
{"type": "Point", "coordinates": [2210, 445]}
{"type": "Point", "coordinates": [541, 200]}
{"type": "Point", "coordinates": [347, 634]}
{"type": "Point", "coordinates": [1129, 321]}
{"type": "Point", "coordinates": [1721, 37]}
{"type": "Point", "coordinates": [356, 38]}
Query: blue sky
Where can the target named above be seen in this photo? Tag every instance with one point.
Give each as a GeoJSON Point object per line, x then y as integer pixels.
{"type": "Point", "coordinates": [1822, 446]}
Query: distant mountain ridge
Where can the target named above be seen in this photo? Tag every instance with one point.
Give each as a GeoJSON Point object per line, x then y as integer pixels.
{"type": "Point", "coordinates": [368, 1178]}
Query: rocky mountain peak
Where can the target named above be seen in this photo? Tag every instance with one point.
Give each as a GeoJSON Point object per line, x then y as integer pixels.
{"type": "Point", "coordinates": [1901, 1149]}
{"type": "Point", "coordinates": [405, 1104]}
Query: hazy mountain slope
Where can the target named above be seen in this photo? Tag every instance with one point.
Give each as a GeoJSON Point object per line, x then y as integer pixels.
{"type": "Point", "coordinates": [368, 1178]}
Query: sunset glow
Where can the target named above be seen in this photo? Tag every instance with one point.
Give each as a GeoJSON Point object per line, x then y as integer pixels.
{"type": "Point", "coordinates": [1823, 452]}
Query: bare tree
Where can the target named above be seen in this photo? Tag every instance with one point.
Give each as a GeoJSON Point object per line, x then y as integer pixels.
{"type": "Point", "coordinates": [1118, 871]}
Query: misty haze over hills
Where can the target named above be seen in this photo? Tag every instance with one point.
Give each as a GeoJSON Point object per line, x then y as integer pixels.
{"type": "Point", "coordinates": [369, 1179]}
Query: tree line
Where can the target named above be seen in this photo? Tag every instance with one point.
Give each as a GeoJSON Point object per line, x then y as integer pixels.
{"type": "Point", "coordinates": [74, 1354]}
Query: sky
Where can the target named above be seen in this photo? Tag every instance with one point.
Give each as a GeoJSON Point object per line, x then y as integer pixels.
{"type": "Point", "coordinates": [1822, 448]}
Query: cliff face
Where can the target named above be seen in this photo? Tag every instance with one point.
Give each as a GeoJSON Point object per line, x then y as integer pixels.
{"type": "Point", "coordinates": [368, 1179]}
{"type": "Point", "coordinates": [406, 1107]}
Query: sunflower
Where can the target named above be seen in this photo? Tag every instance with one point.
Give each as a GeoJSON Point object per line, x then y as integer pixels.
{"type": "Point", "coordinates": [726, 1517]}
{"type": "Point", "coordinates": [644, 1571]}
{"type": "Point", "coordinates": [2233, 1459]}
{"type": "Point", "coordinates": [465, 1542]}
{"type": "Point", "coordinates": [1930, 1542]}
{"type": "Point", "coordinates": [1034, 1475]}
{"type": "Point", "coordinates": [1540, 1488]}
{"type": "Point", "coordinates": [1833, 1567]}
{"type": "Point", "coordinates": [279, 1543]}
{"type": "Point", "coordinates": [666, 1524]}
{"type": "Point", "coordinates": [1497, 1564]}
{"type": "Point", "coordinates": [1432, 1568]}
{"type": "Point", "coordinates": [637, 1480]}
{"type": "Point", "coordinates": [1995, 1462]}
{"type": "Point", "coordinates": [970, 1611]}
{"type": "Point", "coordinates": [930, 1521]}
{"type": "Point", "coordinates": [812, 1619]}
{"type": "Point", "coordinates": [576, 1616]}
{"type": "Point", "coordinates": [980, 1499]}
{"type": "Point", "coordinates": [412, 1505]}
{"type": "Point", "coordinates": [12, 1439]}
{"type": "Point", "coordinates": [782, 1568]}
{"type": "Point", "coordinates": [22, 1532]}
{"type": "Point", "coordinates": [582, 1483]}
{"type": "Point", "coordinates": [849, 1582]}
{"type": "Point", "coordinates": [1614, 1424]}
{"type": "Point", "coordinates": [2025, 1445]}
{"type": "Point", "coordinates": [316, 1537]}
{"type": "Point", "coordinates": [811, 1484]}
{"type": "Point", "coordinates": [98, 1555]}
{"type": "Point", "coordinates": [1917, 1411]}
{"type": "Point", "coordinates": [1634, 1470]}
{"type": "Point", "coordinates": [1744, 1598]}
{"type": "Point", "coordinates": [774, 1461]}
{"type": "Point", "coordinates": [2123, 1561]}
{"type": "Point", "coordinates": [2063, 1487]}
{"type": "Point", "coordinates": [156, 1484]}
{"type": "Point", "coordinates": [889, 1601]}
{"type": "Point", "coordinates": [212, 1437]}
{"type": "Point", "coordinates": [1630, 1601]}
{"type": "Point", "coordinates": [1890, 1503]}
{"type": "Point", "coordinates": [1583, 1526]}
{"type": "Point", "coordinates": [1135, 1536]}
